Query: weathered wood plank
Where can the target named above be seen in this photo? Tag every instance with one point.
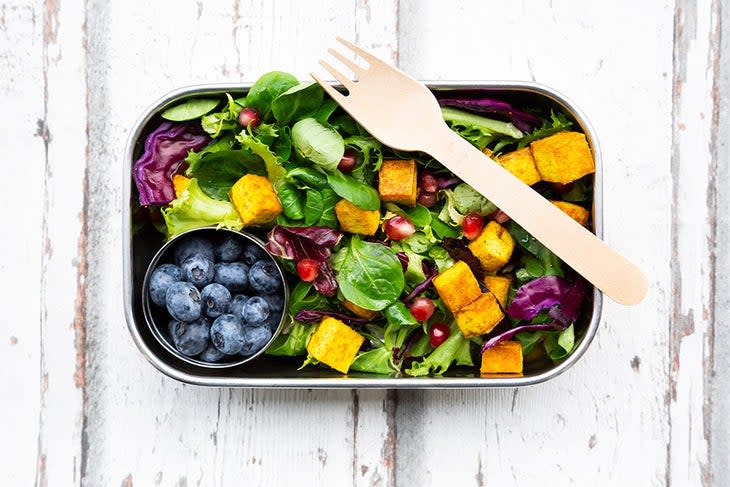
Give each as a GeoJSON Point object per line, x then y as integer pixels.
{"type": "Point", "coordinates": [21, 244]}
{"type": "Point", "coordinates": [606, 418]}
{"type": "Point", "coordinates": [694, 188]}
{"type": "Point", "coordinates": [184, 434]}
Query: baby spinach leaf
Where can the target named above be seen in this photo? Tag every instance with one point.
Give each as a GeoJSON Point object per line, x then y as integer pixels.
{"type": "Point", "coordinates": [291, 200]}
{"type": "Point", "coordinates": [297, 102]}
{"type": "Point", "coordinates": [219, 144]}
{"type": "Point", "coordinates": [468, 200]}
{"type": "Point", "coordinates": [190, 109]}
{"type": "Point", "coordinates": [357, 193]}
{"type": "Point", "coordinates": [369, 274]}
{"type": "Point", "coordinates": [268, 87]}
{"type": "Point", "coordinates": [318, 143]}
{"type": "Point", "coordinates": [400, 324]}
{"type": "Point", "coordinates": [544, 263]}
{"type": "Point", "coordinates": [313, 207]}
{"type": "Point", "coordinates": [326, 109]}
{"type": "Point", "coordinates": [376, 361]}
{"type": "Point", "coordinates": [304, 296]}
{"type": "Point", "coordinates": [329, 217]}
{"type": "Point", "coordinates": [218, 171]}
{"type": "Point", "coordinates": [293, 343]}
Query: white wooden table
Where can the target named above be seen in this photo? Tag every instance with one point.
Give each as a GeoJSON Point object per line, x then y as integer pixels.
{"type": "Point", "coordinates": [647, 406]}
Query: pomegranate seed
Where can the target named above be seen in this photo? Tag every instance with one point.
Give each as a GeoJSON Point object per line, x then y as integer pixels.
{"type": "Point", "coordinates": [429, 183]}
{"type": "Point", "coordinates": [427, 199]}
{"type": "Point", "coordinates": [438, 333]}
{"type": "Point", "coordinates": [472, 225]}
{"type": "Point", "coordinates": [422, 308]}
{"type": "Point", "coordinates": [399, 227]}
{"type": "Point", "coordinates": [308, 270]}
{"type": "Point", "coordinates": [348, 161]}
{"type": "Point", "coordinates": [501, 217]}
{"type": "Point", "coordinates": [249, 116]}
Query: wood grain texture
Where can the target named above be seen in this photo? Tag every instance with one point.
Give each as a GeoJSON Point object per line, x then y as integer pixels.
{"type": "Point", "coordinates": [647, 405]}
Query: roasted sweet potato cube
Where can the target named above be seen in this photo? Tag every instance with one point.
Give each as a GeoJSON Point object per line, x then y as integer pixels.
{"type": "Point", "coordinates": [457, 286]}
{"type": "Point", "coordinates": [499, 286]}
{"type": "Point", "coordinates": [335, 344]}
{"type": "Point", "coordinates": [255, 200]}
{"type": "Point", "coordinates": [503, 358]}
{"type": "Point", "coordinates": [563, 157]}
{"type": "Point", "coordinates": [360, 311]}
{"type": "Point", "coordinates": [354, 219]}
{"type": "Point", "coordinates": [521, 164]}
{"type": "Point", "coordinates": [576, 212]}
{"type": "Point", "coordinates": [398, 182]}
{"type": "Point", "coordinates": [493, 247]}
{"type": "Point", "coordinates": [480, 316]}
{"type": "Point", "coordinates": [180, 183]}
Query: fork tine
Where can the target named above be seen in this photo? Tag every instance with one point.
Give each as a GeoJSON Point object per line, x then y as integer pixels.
{"type": "Point", "coordinates": [359, 51]}
{"type": "Point", "coordinates": [339, 76]}
{"type": "Point", "coordinates": [331, 91]}
{"type": "Point", "coordinates": [352, 65]}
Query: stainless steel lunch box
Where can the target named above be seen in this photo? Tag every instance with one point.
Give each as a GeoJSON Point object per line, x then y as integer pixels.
{"type": "Point", "coordinates": [281, 372]}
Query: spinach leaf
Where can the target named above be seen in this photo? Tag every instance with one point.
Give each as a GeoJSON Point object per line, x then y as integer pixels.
{"type": "Point", "coordinates": [318, 143]}
{"type": "Point", "coordinates": [558, 345]}
{"type": "Point", "coordinates": [218, 171]}
{"type": "Point", "coordinates": [304, 296]}
{"type": "Point", "coordinates": [325, 110]}
{"type": "Point", "coordinates": [468, 200]}
{"type": "Point", "coordinates": [297, 102]}
{"type": "Point", "coordinates": [267, 88]}
{"type": "Point", "coordinates": [313, 207]}
{"type": "Point", "coordinates": [376, 361]}
{"type": "Point", "coordinates": [544, 262]}
{"type": "Point", "coordinates": [190, 109]}
{"type": "Point", "coordinates": [441, 229]}
{"type": "Point", "coordinates": [219, 144]}
{"type": "Point", "coordinates": [345, 124]}
{"type": "Point", "coordinates": [293, 343]}
{"type": "Point", "coordinates": [419, 215]}
{"type": "Point", "coordinates": [329, 200]}
{"type": "Point", "coordinates": [421, 347]}
{"type": "Point", "coordinates": [529, 340]}
{"type": "Point", "coordinates": [282, 145]}
{"type": "Point", "coordinates": [291, 201]}
{"type": "Point", "coordinates": [369, 274]}
{"type": "Point", "coordinates": [357, 193]}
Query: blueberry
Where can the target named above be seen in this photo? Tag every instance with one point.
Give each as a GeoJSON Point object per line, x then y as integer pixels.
{"type": "Point", "coordinates": [211, 354]}
{"type": "Point", "coordinates": [253, 253]}
{"type": "Point", "coordinates": [229, 249]}
{"type": "Point", "coordinates": [276, 301]}
{"type": "Point", "coordinates": [216, 298]}
{"type": "Point", "coordinates": [255, 311]}
{"type": "Point", "coordinates": [183, 301]}
{"type": "Point", "coordinates": [227, 334]}
{"type": "Point", "coordinates": [161, 279]}
{"type": "Point", "coordinates": [236, 306]}
{"type": "Point", "coordinates": [233, 275]}
{"type": "Point", "coordinates": [198, 270]}
{"type": "Point", "coordinates": [190, 338]}
{"type": "Point", "coordinates": [254, 339]}
{"type": "Point", "coordinates": [193, 245]}
{"type": "Point", "coordinates": [264, 277]}
{"type": "Point", "coordinates": [272, 322]}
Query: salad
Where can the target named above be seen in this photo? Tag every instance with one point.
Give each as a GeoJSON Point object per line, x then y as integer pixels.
{"type": "Point", "coordinates": [396, 266]}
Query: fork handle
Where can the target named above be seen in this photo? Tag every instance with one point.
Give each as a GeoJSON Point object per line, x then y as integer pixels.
{"type": "Point", "coordinates": [588, 255]}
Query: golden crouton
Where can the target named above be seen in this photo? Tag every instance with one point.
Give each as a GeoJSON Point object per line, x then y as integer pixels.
{"type": "Point", "coordinates": [576, 212]}
{"type": "Point", "coordinates": [521, 164]}
{"type": "Point", "coordinates": [457, 286]}
{"type": "Point", "coordinates": [335, 344]}
{"type": "Point", "coordinates": [503, 358]}
{"type": "Point", "coordinates": [354, 219]}
{"type": "Point", "coordinates": [480, 316]}
{"type": "Point", "coordinates": [255, 200]}
{"type": "Point", "coordinates": [499, 286]}
{"type": "Point", "coordinates": [493, 247]}
{"type": "Point", "coordinates": [563, 157]}
{"type": "Point", "coordinates": [180, 183]}
{"type": "Point", "coordinates": [360, 311]}
{"type": "Point", "coordinates": [397, 182]}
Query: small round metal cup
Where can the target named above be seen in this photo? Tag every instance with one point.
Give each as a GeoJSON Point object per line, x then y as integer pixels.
{"type": "Point", "coordinates": [157, 318]}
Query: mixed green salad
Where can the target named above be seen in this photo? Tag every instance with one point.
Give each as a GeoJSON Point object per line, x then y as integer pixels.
{"type": "Point", "coordinates": [383, 248]}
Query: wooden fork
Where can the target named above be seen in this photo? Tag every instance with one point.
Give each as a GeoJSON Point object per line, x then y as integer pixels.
{"type": "Point", "coordinates": [402, 113]}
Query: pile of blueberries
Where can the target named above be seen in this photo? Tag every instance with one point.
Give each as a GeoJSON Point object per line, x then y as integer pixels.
{"type": "Point", "coordinates": [224, 297]}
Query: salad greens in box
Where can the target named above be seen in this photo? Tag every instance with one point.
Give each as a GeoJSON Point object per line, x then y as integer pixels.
{"type": "Point", "coordinates": [397, 267]}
